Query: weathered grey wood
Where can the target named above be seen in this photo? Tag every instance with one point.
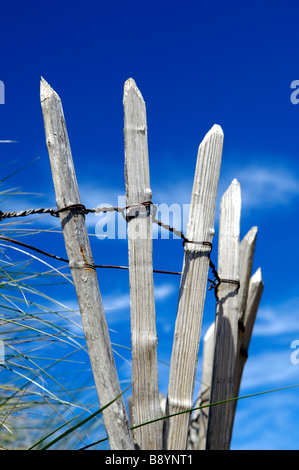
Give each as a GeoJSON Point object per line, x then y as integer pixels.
{"type": "Point", "coordinates": [247, 247]}
{"type": "Point", "coordinates": [255, 291]}
{"type": "Point", "coordinates": [83, 272]}
{"type": "Point", "coordinates": [226, 323]}
{"type": "Point", "coordinates": [145, 391]}
{"type": "Point", "coordinates": [193, 289]}
{"type": "Point", "coordinates": [199, 423]}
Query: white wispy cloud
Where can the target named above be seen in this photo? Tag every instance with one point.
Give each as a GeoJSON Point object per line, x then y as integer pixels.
{"type": "Point", "coordinates": [267, 422]}
{"type": "Point", "coordinates": [275, 328]}
{"type": "Point", "coordinates": [274, 186]}
{"type": "Point", "coordinates": [93, 196]}
{"type": "Point", "coordinates": [264, 186]}
{"type": "Point", "coordinates": [269, 369]}
{"type": "Point", "coordinates": [277, 320]}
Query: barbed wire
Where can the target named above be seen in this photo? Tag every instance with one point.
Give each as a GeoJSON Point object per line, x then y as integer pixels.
{"type": "Point", "coordinates": [81, 209]}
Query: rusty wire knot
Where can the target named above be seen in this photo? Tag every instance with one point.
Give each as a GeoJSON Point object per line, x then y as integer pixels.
{"type": "Point", "coordinates": [147, 204]}
{"type": "Point", "coordinates": [80, 208]}
{"type": "Point", "coordinates": [215, 283]}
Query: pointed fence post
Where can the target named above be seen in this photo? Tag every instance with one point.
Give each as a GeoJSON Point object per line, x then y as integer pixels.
{"type": "Point", "coordinates": [247, 247]}
{"type": "Point", "coordinates": [226, 323]}
{"type": "Point", "coordinates": [249, 294]}
{"type": "Point", "coordinates": [199, 423]}
{"type": "Point", "coordinates": [193, 289]}
{"type": "Point", "coordinates": [145, 390]}
{"type": "Point", "coordinates": [83, 272]}
{"type": "Point", "coordinates": [255, 291]}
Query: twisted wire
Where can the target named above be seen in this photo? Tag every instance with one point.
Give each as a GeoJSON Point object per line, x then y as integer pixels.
{"type": "Point", "coordinates": [81, 209]}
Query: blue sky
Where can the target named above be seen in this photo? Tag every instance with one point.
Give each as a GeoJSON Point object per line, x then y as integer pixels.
{"type": "Point", "coordinates": [197, 64]}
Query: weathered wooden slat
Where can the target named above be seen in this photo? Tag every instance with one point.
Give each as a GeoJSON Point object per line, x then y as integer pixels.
{"type": "Point", "coordinates": [226, 323]}
{"type": "Point", "coordinates": [193, 289]}
{"type": "Point", "coordinates": [255, 291]}
{"type": "Point", "coordinates": [199, 423]}
{"type": "Point", "coordinates": [200, 418]}
{"type": "Point", "coordinates": [145, 391]}
{"type": "Point", "coordinates": [247, 247]}
{"type": "Point", "coordinates": [83, 272]}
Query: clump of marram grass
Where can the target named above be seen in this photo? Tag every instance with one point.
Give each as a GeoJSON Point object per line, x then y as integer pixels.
{"type": "Point", "coordinates": [43, 350]}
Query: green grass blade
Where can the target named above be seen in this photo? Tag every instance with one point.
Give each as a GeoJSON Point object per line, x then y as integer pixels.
{"type": "Point", "coordinates": [199, 408]}
{"type": "Point", "coordinates": [20, 169]}
{"type": "Point", "coordinates": [217, 403]}
{"type": "Point", "coordinates": [76, 426]}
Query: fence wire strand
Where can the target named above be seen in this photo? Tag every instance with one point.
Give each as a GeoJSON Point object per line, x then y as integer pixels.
{"type": "Point", "coordinates": [127, 215]}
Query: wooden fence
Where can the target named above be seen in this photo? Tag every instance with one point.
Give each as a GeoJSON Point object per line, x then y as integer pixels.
{"type": "Point", "coordinates": [237, 294]}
